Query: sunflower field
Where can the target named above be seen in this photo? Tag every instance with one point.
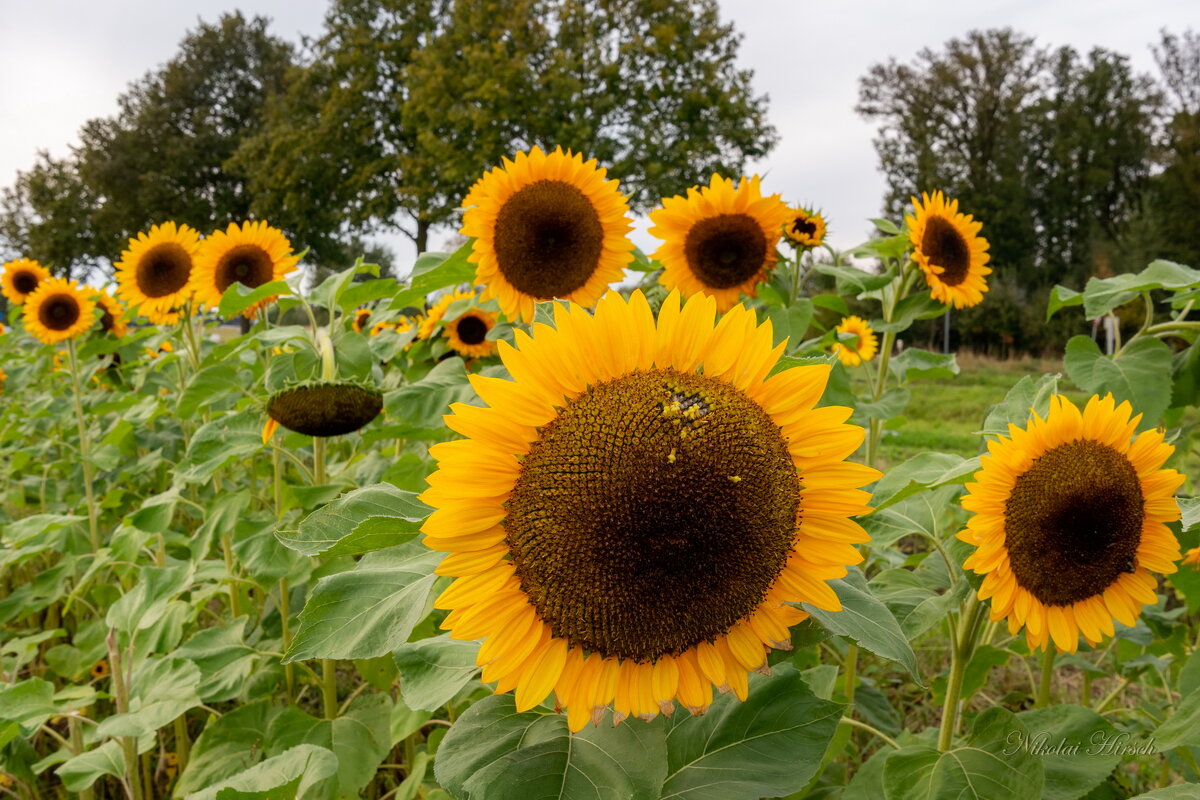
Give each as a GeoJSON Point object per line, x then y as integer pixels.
{"type": "Point", "coordinates": [500, 530]}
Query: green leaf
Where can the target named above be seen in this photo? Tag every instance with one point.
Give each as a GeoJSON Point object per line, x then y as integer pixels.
{"type": "Point", "coordinates": [892, 404]}
{"type": "Point", "coordinates": [1141, 374]}
{"type": "Point", "coordinates": [161, 690]}
{"type": "Point", "coordinates": [329, 294]}
{"type": "Point", "coordinates": [363, 292]}
{"type": "Point", "coordinates": [1081, 764]}
{"type": "Point", "coordinates": [229, 744]}
{"type": "Point", "coordinates": [422, 404]}
{"type": "Point", "coordinates": [208, 385]}
{"type": "Point", "coordinates": [360, 521]}
{"type": "Point", "coordinates": [495, 753]}
{"type": "Point", "coordinates": [1062, 297]}
{"type": "Point", "coordinates": [143, 605]}
{"type": "Point", "coordinates": [291, 774]}
{"type": "Point", "coordinates": [921, 513]}
{"type": "Point", "coordinates": [916, 604]}
{"type": "Point", "coordinates": [224, 659]}
{"type": "Point", "coordinates": [852, 280]}
{"type": "Point", "coordinates": [914, 363]}
{"type": "Point", "coordinates": [1026, 397]}
{"type": "Point", "coordinates": [921, 472]}
{"type": "Point", "coordinates": [26, 705]}
{"type": "Point", "coordinates": [434, 271]}
{"type": "Point", "coordinates": [434, 670]}
{"type": "Point", "coordinates": [156, 512]}
{"type": "Point", "coordinates": [228, 437]}
{"type": "Point", "coordinates": [360, 739]}
{"type": "Point", "coordinates": [237, 298]}
{"type": "Point", "coordinates": [832, 302]}
{"type": "Point", "coordinates": [909, 310]}
{"type": "Point", "coordinates": [1184, 791]}
{"type": "Point", "coordinates": [1182, 728]}
{"type": "Point", "coordinates": [867, 621]}
{"type": "Point", "coordinates": [83, 770]}
{"type": "Point", "coordinates": [1103, 295]}
{"type": "Point", "coordinates": [885, 225]}
{"type": "Point", "coordinates": [791, 322]}
{"type": "Point", "coordinates": [367, 611]}
{"type": "Point", "coordinates": [990, 766]}
{"type": "Point", "coordinates": [768, 746]}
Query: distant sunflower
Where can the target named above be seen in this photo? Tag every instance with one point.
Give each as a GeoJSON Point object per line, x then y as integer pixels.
{"type": "Point", "coordinates": [863, 349]}
{"type": "Point", "coordinates": [633, 518]}
{"type": "Point", "coordinates": [1192, 557]}
{"type": "Point", "coordinates": [3, 330]}
{"type": "Point", "coordinates": [468, 333]}
{"type": "Point", "coordinates": [21, 278]}
{"type": "Point", "coordinates": [153, 274]}
{"type": "Point", "coordinates": [719, 240]}
{"type": "Point", "coordinates": [100, 670]}
{"type": "Point", "coordinates": [1070, 519]}
{"type": "Point", "coordinates": [58, 310]}
{"type": "Point", "coordinates": [546, 226]}
{"type": "Point", "coordinates": [251, 254]}
{"type": "Point", "coordinates": [3, 378]}
{"type": "Point", "coordinates": [112, 320]}
{"type": "Point", "coordinates": [429, 322]}
{"type": "Point", "coordinates": [805, 228]}
{"type": "Point", "coordinates": [361, 317]}
{"type": "Point", "coordinates": [948, 248]}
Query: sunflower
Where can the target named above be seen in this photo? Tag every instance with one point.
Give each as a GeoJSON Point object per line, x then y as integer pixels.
{"type": "Point", "coordinates": [546, 226]}
{"type": "Point", "coordinates": [323, 408]}
{"type": "Point", "coordinates": [862, 349]}
{"type": "Point", "coordinates": [719, 240]}
{"type": "Point", "coordinates": [634, 517]}
{"type": "Point", "coordinates": [361, 317]}
{"type": "Point", "coordinates": [804, 228]}
{"type": "Point", "coordinates": [1192, 557]}
{"type": "Point", "coordinates": [112, 320]}
{"type": "Point", "coordinates": [3, 330]}
{"type": "Point", "coordinates": [1069, 521]}
{"type": "Point", "coordinates": [21, 277]}
{"type": "Point", "coordinates": [100, 670]}
{"type": "Point", "coordinates": [58, 310]}
{"type": "Point", "coordinates": [949, 250]}
{"type": "Point", "coordinates": [154, 274]}
{"type": "Point", "coordinates": [3, 378]}
{"type": "Point", "coordinates": [252, 254]}
{"type": "Point", "coordinates": [428, 323]}
{"type": "Point", "coordinates": [468, 333]}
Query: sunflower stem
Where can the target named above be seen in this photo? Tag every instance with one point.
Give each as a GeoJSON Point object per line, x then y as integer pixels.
{"type": "Point", "coordinates": [235, 603]}
{"type": "Point", "coordinates": [850, 668]}
{"type": "Point", "coordinates": [871, 730]}
{"type": "Point", "coordinates": [1047, 674]}
{"type": "Point", "coordinates": [329, 687]}
{"type": "Point", "coordinates": [121, 697]}
{"type": "Point", "coordinates": [189, 333]}
{"type": "Point", "coordinates": [960, 656]}
{"type": "Point", "coordinates": [289, 672]}
{"type": "Point", "coordinates": [85, 450]}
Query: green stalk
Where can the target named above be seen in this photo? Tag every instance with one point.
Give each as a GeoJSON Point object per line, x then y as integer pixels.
{"type": "Point", "coordinates": [183, 745]}
{"type": "Point", "coordinates": [77, 747]}
{"type": "Point", "coordinates": [960, 656]}
{"type": "Point", "coordinates": [85, 451]}
{"type": "Point", "coordinates": [1047, 674]}
{"type": "Point", "coordinates": [121, 696]}
{"type": "Point", "coordinates": [289, 672]}
{"type": "Point", "coordinates": [851, 676]}
{"type": "Point", "coordinates": [328, 665]}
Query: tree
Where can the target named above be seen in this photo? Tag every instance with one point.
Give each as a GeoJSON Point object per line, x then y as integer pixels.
{"type": "Point", "coordinates": [47, 215]}
{"type": "Point", "coordinates": [405, 102]}
{"type": "Point", "coordinates": [1175, 191]}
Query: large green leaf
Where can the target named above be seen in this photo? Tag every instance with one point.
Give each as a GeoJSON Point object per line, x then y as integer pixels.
{"type": "Point", "coordinates": [1026, 397]}
{"type": "Point", "coordinates": [923, 512]}
{"type": "Point", "coordinates": [161, 690]}
{"type": "Point", "coordinates": [866, 620]}
{"type": "Point", "coordinates": [1141, 373]}
{"type": "Point", "coordinates": [26, 705]}
{"type": "Point", "coordinates": [367, 611]}
{"type": "Point", "coordinates": [422, 404]}
{"type": "Point", "coordinates": [434, 271]}
{"type": "Point", "coordinates": [495, 753]}
{"type": "Point", "coordinates": [291, 775]}
{"type": "Point", "coordinates": [366, 519]}
{"type": "Point", "coordinates": [434, 670]}
{"type": "Point", "coordinates": [81, 771]}
{"type": "Point", "coordinates": [1102, 295]}
{"type": "Point", "coordinates": [207, 385]}
{"type": "Point", "coordinates": [229, 744]}
{"type": "Point", "coordinates": [913, 363]}
{"type": "Point", "coordinates": [1070, 740]}
{"type": "Point", "coordinates": [922, 471]}
{"type": "Point", "coordinates": [1184, 791]}
{"type": "Point", "coordinates": [1182, 728]}
{"type": "Point", "coordinates": [852, 280]}
{"type": "Point", "coordinates": [237, 298]}
{"type": "Point", "coordinates": [228, 437]}
{"type": "Point", "coordinates": [143, 605]}
{"type": "Point", "coordinates": [769, 745]}
{"type": "Point", "coordinates": [1061, 297]}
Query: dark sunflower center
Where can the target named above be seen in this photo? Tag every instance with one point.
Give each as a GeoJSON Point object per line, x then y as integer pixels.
{"type": "Point", "coordinates": [946, 248]}
{"type": "Point", "coordinates": [726, 250]}
{"type": "Point", "coordinates": [106, 321]}
{"type": "Point", "coordinates": [58, 312]}
{"type": "Point", "coordinates": [163, 270]}
{"type": "Point", "coordinates": [804, 227]}
{"type": "Point", "coordinates": [25, 282]}
{"type": "Point", "coordinates": [325, 409]}
{"type": "Point", "coordinates": [247, 264]}
{"type": "Point", "coordinates": [652, 514]}
{"type": "Point", "coordinates": [471, 329]}
{"type": "Point", "coordinates": [1073, 522]}
{"type": "Point", "coordinates": [548, 239]}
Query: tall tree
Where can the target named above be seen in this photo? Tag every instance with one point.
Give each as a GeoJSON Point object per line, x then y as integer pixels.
{"type": "Point", "coordinates": [47, 215]}
{"type": "Point", "coordinates": [1175, 191]}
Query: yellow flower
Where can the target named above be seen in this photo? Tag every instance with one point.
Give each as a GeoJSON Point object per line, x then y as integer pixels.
{"type": "Point", "coordinates": [21, 278]}
{"type": "Point", "coordinates": [3, 378]}
{"type": "Point", "coordinates": [112, 320]}
{"type": "Point", "coordinates": [251, 254]}
{"type": "Point", "coordinates": [805, 228]}
{"type": "Point", "coordinates": [1070, 520]}
{"type": "Point", "coordinates": [631, 520]}
{"type": "Point", "coordinates": [1192, 557]}
{"type": "Point", "coordinates": [154, 274]}
{"type": "Point", "coordinates": [546, 226]}
{"type": "Point", "coordinates": [719, 240]}
{"type": "Point", "coordinates": [429, 322]}
{"type": "Point", "coordinates": [361, 317]}
{"type": "Point", "coordinates": [468, 333]}
{"type": "Point", "coordinates": [58, 310]}
{"type": "Point", "coordinates": [949, 250]}
{"type": "Point", "coordinates": [862, 349]}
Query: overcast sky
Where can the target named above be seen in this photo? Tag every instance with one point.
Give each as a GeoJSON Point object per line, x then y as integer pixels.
{"type": "Point", "coordinates": [63, 62]}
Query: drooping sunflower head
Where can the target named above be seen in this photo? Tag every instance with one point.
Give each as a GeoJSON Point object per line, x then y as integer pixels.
{"type": "Point", "coordinates": [804, 228]}
{"type": "Point", "coordinates": [1070, 521]}
{"type": "Point", "coordinates": [631, 519]}
{"type": "Point", "coordinates": [949, 250]}
{"type": "Point", "coordinates": [21, 278]}
{"type": "Point", "coordinates": [719, 240]}
{"type": "Point", "coordinates": [154, 274]}
{"type": "Point", "coordinates": [324, 408]}
{"type": "Point", "coordinates": [112, 317]}
{"type": "Point", "coordinates": [546, 226]}
{"type": "Point", "coordinates": [856, 351]}
{"type": "Point", "coordinates": [58, 310]}
{"type": "Point", "coordinates": [468, 333]}
{"type": "Point", "coordinates": [361, 317]}
{"type": "Point", "coordinates": [251, 254]}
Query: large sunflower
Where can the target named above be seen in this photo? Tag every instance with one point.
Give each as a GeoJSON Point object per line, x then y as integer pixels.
{"type": "Point", "coordinates": [632, 518]}
{"type": "Point", "coordinates": [1069, 520]}
{"type": "Point", "coordinates": [719, 240]}
{"type": "Point", "coordinates": [861, 349]}
{"type": "Point", "coordinates": [948, 248]}
{"type": "Point", "coordinates": [58, 310]}
{"type": "Point", "coordinates": [804, 228]}
{"type": "Point", "coordinates": [112, 320]}
{"type": "Point", "coordinates": [251, 254]}
{"type": "Point", "coordinates": [153, 274]}
{"type": "Point", "coordinates": [546, 226]}
{"type": "Point", "coordinates": [21, 278]}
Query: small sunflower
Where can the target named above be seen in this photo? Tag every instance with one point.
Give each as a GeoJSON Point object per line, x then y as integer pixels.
{"type": "Point", "coordinates": [112, 320]}
{"type": "Point", "coordinates": [1070, 520]}
{"type": "Point", "coordinates": [719, 240]}
{"type": "Point", "coordinates": [805, 228]}
{"type": "Point", "coordinates": [381, 326]}
{"type": "Point", "coordinates": [633, 518]}
{"type": "Point", "coordinates": [1192, 557]}
{"type": "Point", "coordinates": [21, 277]}
{"type": "Point", "coordinates": [361, 317]}
{"type": "Point", "coordinates": [100, 670]}
{"type": "Point", "coordinates": [58, 310]}
{"type": "Point", "coordinates": [428, 323]}
{"type": "Point", "coordinates": [154, 274]}
{"type": "Point", "coordinates": [3, 330]}
{"type": "Point", "coordinates": [165, 347]}
{"type": "Point", "coordinates": [251, 254]}
{"type": "Point", "coordinates": [3, 378]}
{"type": "Point", "coordinates": [323, 408]}
{"type": "Point", "coordinates": [468, 333]}
{"type": "Point", "coordinates": [861, 350]}
{"type": "Point", "coordinates": [546, 226]}
{"type": "Point", "coordinates": [949, 250]}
